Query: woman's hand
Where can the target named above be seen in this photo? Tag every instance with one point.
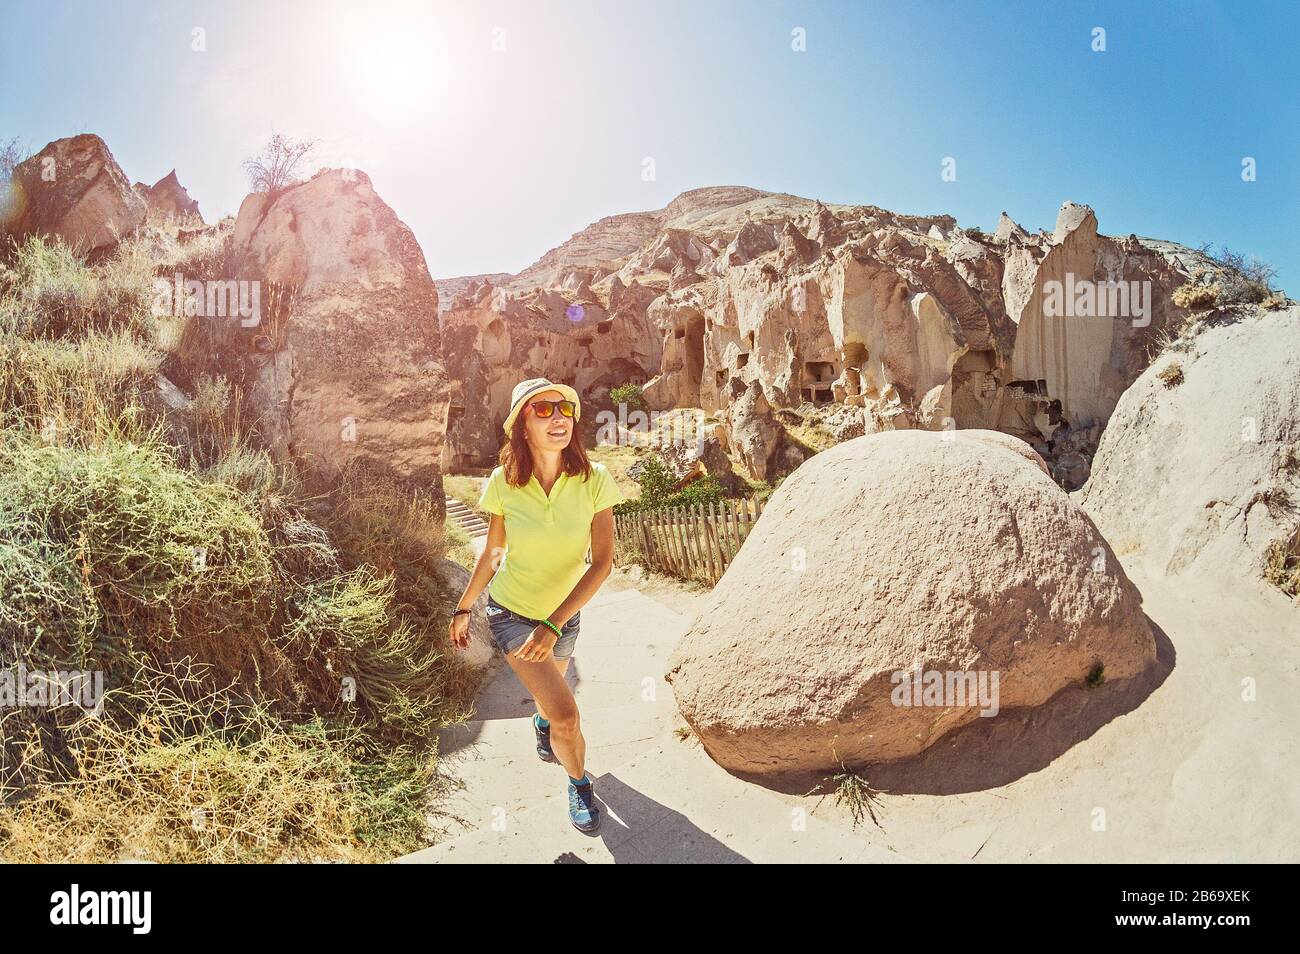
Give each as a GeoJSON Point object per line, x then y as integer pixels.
{"type": "Point", "coordinates": [458, 630]}
{"type": "Point", "coordinates": [537, 647]}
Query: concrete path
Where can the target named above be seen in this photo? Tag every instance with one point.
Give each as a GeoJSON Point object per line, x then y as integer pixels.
{"type": "Point", "coordinates": [665, 799]}
{"type": "Point", "coordinates": [1200, 770]}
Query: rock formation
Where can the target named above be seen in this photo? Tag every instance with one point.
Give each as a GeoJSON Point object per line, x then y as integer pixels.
{"type": "Point", "coordinates": [494, 339]}
{"type": "Point", "coordinates": [168, 199]}
{"type": "Point", "coordinates": [889, 555]}
{"type": "Point", "coordinates": [1199, 468]}
{"type": "Point", "coordinates": [348, 374]}
{"type": "Point", "coordinates": [758, 439]}
{"type": "Point", "coordinates": [73, 190]}
{"type": "Point", "coordinates": [914, 322]}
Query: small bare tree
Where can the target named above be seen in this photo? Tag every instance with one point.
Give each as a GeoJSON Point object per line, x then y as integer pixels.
{"type": "Point", "coordinates": [11, 153]}
{"type": "Point", "coordinates": [277, 167]}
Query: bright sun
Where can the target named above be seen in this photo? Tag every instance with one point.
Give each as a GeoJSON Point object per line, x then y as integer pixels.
{"type": "Point", "coordinates": [392, 60]}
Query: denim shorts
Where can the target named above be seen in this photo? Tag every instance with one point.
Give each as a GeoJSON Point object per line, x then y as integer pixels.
{"type": "Point", "coordinates": [510, 630]}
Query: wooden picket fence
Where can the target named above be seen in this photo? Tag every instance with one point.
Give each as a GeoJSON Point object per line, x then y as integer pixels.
{"type": "Point", "coordinates": [692, 542]}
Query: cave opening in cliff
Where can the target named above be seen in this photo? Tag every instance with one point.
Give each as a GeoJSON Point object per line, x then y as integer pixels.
{"type": "Point", "coordinates": [855, 356]}
{"type": "Point", "coordinates": [619, 371]}
{"type": "Point", "coordinates": [1030, 388]}
{"type": "Point", "coordinates": [694, 357]}
{"type": "Point", "coordinates": [817, 379]}
{"type": "Point", "coordinates": [819, 371]}
{"type": "Point", "coordinates": [976, 360]}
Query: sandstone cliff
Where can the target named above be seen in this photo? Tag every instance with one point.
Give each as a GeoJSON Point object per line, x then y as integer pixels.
{"type": "Point", "coordinates": [910, 320]}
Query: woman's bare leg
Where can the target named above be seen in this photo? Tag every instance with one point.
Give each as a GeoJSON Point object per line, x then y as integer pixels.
{"type": "Point", "coordinates": [563, 666]}
{"type": "Point", "coordinates": [553, 695]}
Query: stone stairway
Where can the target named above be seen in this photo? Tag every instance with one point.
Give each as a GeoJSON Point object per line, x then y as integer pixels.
{"type": "Point", "coordinates": [664, 799]}
{"type": "Point", "coordinates": [465, 518]}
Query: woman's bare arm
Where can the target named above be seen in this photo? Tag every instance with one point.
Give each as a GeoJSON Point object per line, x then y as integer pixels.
{"type": "Point", "coordinates": [487, 563]}
{"type": "Point", "coordinates": [602, 561]}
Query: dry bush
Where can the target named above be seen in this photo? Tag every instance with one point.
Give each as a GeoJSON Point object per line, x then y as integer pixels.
{"type": "Point", "coordinates": [92, 387]}
{"type": "Point", "coordinates": [173, 770]}
{"type": "Point", "coordinates": [12, 152]}
{"type": "Point", "coordinates": [1282, 567]}
{"type": "Point", "coordinates": [1171, 374]}
{"type": "Point", "coordinates": [1245, 280]}
{"type": "Point", "coordinates": [1196, 296]}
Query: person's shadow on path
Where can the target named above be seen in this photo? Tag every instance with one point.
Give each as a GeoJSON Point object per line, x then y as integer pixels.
{"type": "Point", "coordinates": [637, 829]}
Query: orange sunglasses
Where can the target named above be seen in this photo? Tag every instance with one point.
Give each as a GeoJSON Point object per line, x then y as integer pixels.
{"type": "Point", "coordinates": [548, 408]}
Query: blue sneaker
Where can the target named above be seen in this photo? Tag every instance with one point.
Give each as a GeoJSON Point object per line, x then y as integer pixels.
{"type": "Point", "coordinates": [543, 733]}
{"type": "Point", "coordinates": [582, 806]}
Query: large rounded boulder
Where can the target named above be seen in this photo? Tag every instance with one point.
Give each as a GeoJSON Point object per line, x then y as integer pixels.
{"type": "Point", "coordinates": [1199, 468]}
{"type": "Point", "coordinates": [73, 190]}
{"type": "Point", "coordinates": [896, 587]}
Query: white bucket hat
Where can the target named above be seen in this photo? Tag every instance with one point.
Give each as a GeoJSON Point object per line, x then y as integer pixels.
{"type": "Point", "coordinates": [526, 389]}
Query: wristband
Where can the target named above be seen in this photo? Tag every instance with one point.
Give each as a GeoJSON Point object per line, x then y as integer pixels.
{"type": "Point", "coordinates": [553, 627]}
{"type": "Point", "coordinates": [458, 612]}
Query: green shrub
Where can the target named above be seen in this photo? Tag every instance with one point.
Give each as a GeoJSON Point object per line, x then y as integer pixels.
{"type": "Point", "coordinates": [363, 656]}
{"type": "Point", "coordinates": [399, 532]}
{"type": "Point", "coordinates": [629, 394]}
{"type": "Point", "coordinates": [658, 492]}
{"type": "Point", "coordinates": [657, 480]}
{"type": "Point", "coordinates": [175, 565]}
{"type": "Point", "coordinates": [229, 615]}
{"type": "Point", "coordinates": [114, 558]}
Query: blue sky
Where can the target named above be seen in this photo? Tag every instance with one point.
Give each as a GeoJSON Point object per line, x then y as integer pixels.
{"type": "Point", "coordinates": [496, 130]}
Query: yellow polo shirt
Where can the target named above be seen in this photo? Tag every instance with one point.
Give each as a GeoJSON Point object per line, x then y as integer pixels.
{"type": "Point", "coordinates": [547, 537]}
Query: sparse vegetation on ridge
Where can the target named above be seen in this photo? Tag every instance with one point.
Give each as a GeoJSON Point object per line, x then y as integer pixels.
{"type": "Point", "coordinates": [1233, 283]}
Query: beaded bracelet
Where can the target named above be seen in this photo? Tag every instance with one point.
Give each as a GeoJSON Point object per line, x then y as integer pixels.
{"type": "Point", "coordinates": [554, 628]}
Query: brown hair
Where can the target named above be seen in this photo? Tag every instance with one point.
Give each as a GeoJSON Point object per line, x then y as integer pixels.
{"type": "Point", "coordinates": [517, 456]}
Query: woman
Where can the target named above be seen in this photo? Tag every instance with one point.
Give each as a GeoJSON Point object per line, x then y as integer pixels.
{"type": "Point", "coordinates": [548, 504]}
